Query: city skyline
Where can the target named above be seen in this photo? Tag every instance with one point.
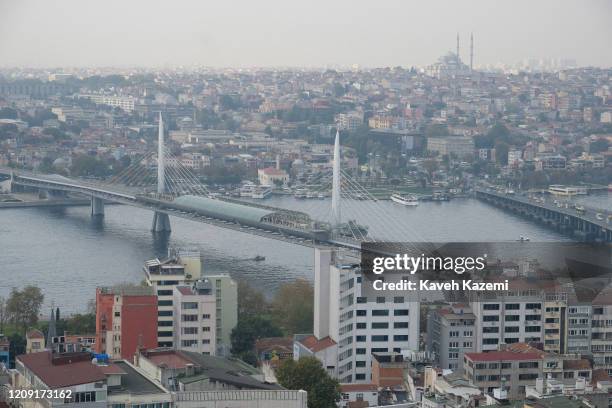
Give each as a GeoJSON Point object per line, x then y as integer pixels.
{"type": "Point", "coordinates": [315, 35]}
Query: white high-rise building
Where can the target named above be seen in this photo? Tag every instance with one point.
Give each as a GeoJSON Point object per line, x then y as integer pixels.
{"type": "Point", "coordinates": [180, 268]}
{"type": "Point", "coordinates": [348, 327]}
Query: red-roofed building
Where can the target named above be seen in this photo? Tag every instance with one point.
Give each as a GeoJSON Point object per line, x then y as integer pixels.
{"type": "Point", "coordinates": [325, 350]}
{"type": "Point", "coordinates": [271, 176]}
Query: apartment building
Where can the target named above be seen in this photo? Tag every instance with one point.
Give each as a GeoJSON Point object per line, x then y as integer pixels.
{"type": "Point", "coordinates": [505, 369]}
{"type": "Point", "coordinates": [126, 319]}
{"type": "Point", "coordinates": [601, 331]}
{"type": "Point", "coordinates": [512, 317]}
{"type": "Point", "coordinates": [195, 317]}
{"type": "Point", "coordinates": [450, 334]}
{"type": "Point", "coordinates": [179, 269]}
{"type": "Point", "coordinates": [350, 325]}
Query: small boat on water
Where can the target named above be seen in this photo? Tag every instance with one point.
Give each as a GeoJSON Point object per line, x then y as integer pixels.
{"type": "Point", "coordinates": [523, 239]}
{"type": "Point", "coordinates": [409, 201]}
{"type": "Point", "coordinates": [259, 258]}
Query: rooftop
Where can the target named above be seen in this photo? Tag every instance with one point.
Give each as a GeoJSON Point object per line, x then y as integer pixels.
{"type": "Point", "coordinates": [314, 345]}
{"type": "Point", "coordinates": [133, 382]}
{"type": "Point", "coordinates": [502, 356]}
{"type": "Point", "coordinates": [64, 374]}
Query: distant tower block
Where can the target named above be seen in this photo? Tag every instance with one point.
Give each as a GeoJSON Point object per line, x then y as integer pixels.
{"type": "Point", "coordinates": [471, 51]}
{"type": "Point", "coordinates": [458, 59]}
{"type": "Point", "coordinates": [161, 221]}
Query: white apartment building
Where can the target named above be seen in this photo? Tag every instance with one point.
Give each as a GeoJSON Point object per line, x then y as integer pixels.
{"type": "Point", "coordinates": [352, 324]}
{"type": "Point", "coordinates": [195, 317]}
{"type": "Point", "coordinates": [183, 268]}
{"type": "Point", "coordinates": [124, 102]}
{"type": "Point", "coordinates": [516, 317]}
{"type": "Point", "coordinates": [180, 269]}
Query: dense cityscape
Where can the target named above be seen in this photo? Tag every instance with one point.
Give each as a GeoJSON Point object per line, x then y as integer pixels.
{"type": "Point", "coordinates": [324, 159]}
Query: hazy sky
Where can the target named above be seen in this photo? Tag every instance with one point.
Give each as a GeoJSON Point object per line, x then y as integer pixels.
{"type": "Point", "coordinates": [299, 33]}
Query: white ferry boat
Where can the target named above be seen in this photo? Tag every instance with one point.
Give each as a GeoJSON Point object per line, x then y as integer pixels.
{"type": "Point", "coordinates": [405, 200]}
{"type": "Point", "coordinates": [262, 192]}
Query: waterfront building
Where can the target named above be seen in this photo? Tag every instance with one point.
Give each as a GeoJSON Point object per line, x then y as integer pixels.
{"type": "Point", "coordinates": [126, 320]}
{"type": "Point", "coordinates": [349, 327]}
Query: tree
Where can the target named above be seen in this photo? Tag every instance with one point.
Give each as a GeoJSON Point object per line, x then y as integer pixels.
{"type": "Point", "coordinates": [23, 306]}
{"type": "Point", "coordinates": [250, 329]}
{"type": "Point", "coordinates": [81, 324]}
{"type": "Point", "coordinates": [251, 302]}
{"type": "Point", "coordinates": [293, 306]}
{"type": "Point", "coordinates": [308, 374]}
{"type": "Point", "coordinates": [3, 314]}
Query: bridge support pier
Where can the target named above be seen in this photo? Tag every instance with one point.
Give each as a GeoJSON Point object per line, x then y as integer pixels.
{"type": "Point", "coordinates": [97, 207]}
{"type": "Point", "coordinates": [161, 222]}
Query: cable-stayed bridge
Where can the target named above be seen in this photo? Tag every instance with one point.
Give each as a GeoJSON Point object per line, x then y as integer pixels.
{"type": "Point", "coordinates": [158, 182]}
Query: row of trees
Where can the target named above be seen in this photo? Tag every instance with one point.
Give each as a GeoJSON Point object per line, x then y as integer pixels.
{"type": "Point", "coordinates": [290, 311]}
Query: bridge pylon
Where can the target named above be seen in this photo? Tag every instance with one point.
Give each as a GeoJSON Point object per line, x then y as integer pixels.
{"type": "Point", "coordinates": [97, 207]}
{"type": "Point", "coordinates": [161, 221]}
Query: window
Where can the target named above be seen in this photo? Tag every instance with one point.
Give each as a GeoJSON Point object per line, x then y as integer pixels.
{"type": "Point", "coordinates": [190, 330]}
{"type": "Point", "coordinates": [206, 329]}
{"type": "Point", "coordinates": [164, 334]}
{"type": "Point", "coordinates": [380, 299]}
{"type": "Point", "coordinates": [380, 338]}
{"type": "Point", "coordinates": [205, 316]}
{"type": "Point", "coordinates": [360, 339]}
{"type": "Point", "coordinates": [467, 344]}
{"type": "Point", "coordinates": [401, 312]}
{"type": "Point", "coordinates": [362, 299]}
{"type": "Point", "coordinates": [360, 363]}
{"type": "Point", "coordinates": [531, 306]}
{"type": "Point", "coordinates": [511, 329]}
{"type": "Point", "coordinates": [164, 312]}
{"type": "Point", "coordinates": [165, 323]}
{"type": "Point", "coordinates": [398, 299]}
{"type": "Point", "coordinates": [533, 318]}
{"type": "Point", "coordinates": [491, 306]}
{"type": "Point", "coordinates": [510, 340]}
{"type": "Point", "coordinates": [189, 305]}
{"type": "Point", "coordinates": [453, 333]}
{"type": "Point", "coordinates": [164, 303]}
{"type": "Point", "coordinates": [362, 313]}
{"type": "Point", "coordinates": [384, 325]}
{"type": "Point", "coordinates": [532, 329]}
{"type": "Point", "coordinates": [117, 314]}
{"type": "Point", "coordinates": [360, 351]}
{"type": "Point", "coordinates": [400, 325]}
{"type": "Point", "coordinates": [379, 349]}
{"type": "Point", "coordinates": [362, 326]}
{"type": "Point", "coordinates": [164, 293]}
{"type": "Point", "coordinates": [528, 376]}
{"type": "Point", "coordinates": [381, 312]}
{"type": "Point", "coordinates": [490, 329]}
{"type": "Point", "coordinates": [490, 341]}
{"type": "Point", "coordinates": [513, 306]}
{"type": "Point", "coordinates": [205, 341]}
{"type": "Point", "coordinates": [359, 376]}
{"type": "Point", "coordinates": [400, 337]}
{"type": "Point", "coordinates": [189, 343]}
{"type": "Point", "coordinates": [512, 318]}
{"type": "Point", "coordinates": [189, 318]}
{"type": "Point", "coordinates": [506, 366]}
{"type": "Point", "coordinates": [494, 318]}
{"type": "Point", "coordinates": [528, 364]}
